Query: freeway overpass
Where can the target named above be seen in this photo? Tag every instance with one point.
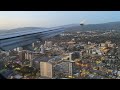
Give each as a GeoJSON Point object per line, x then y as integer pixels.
{"type": "Point", "coordinates": [11, 40]}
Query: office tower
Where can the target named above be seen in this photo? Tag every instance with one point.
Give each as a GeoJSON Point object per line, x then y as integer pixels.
{"type": "Point", "coordinates": [71, 68]}
{"type": "Point", "coordinates": [19, 49]}
{"type": "Point", "coordinates": [29, 55]}
{"type": "Point", "coordinates": [33, 44]}
{"type": "Point", "coordinates": [48, 44]}
{"type": "Point", "coordinates": [22, 55]}
{"type": "Point", "coordinates": [67, 67]}
{"type": "Point", "coordinates": [45, 45]}
{"type": "Point", "coordinates": [46, 69]}
{"type": "Point", "coordinates": [42, 49]}
{"type": "Point", "coordinates": [70, 56]}
{"type": "Point", "coordinates": [74, 55]}
{"type": "Point", "coordinates": [118, 52]}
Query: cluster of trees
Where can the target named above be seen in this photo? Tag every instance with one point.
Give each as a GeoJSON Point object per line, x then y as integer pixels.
{"type": "Point", "coordinates": [26, 70]}
{"type": "Point", "coordinates": [13, 65]}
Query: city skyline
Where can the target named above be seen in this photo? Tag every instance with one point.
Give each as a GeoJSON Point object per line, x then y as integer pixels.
{"type": "Point", "coordinates": [16, 19]}
{"type": "Point", "coordinates": [89, 49]}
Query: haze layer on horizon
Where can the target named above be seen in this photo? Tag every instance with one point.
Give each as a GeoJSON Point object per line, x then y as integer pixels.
{"type": "Point", "coordinates": [16, 19]}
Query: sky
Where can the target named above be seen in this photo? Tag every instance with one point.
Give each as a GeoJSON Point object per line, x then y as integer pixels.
{"type": "Point", "coordinates": [16, 19]}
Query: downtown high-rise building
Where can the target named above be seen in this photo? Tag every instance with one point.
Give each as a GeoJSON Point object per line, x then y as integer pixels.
{"type": "Point", "coordinates": [46, 69]}
{"type": "Point", "coordinates": [29, 55]}
{"type": "Point", "coordinates": [71, 68]}
{"type": "Point", "coordinates": [48, 44]}
{"type": "Point", "coordinates": [74, 55]}
{"type": "Point", "coordinates": [67, 67]}
{"type": "Point", "coordinates": [42, 49]}
{"type": "Point", "coordinates": [22, 55]}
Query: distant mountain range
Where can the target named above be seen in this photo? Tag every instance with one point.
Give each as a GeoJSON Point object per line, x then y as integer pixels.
{"type": "Point", "coordinates": [87, 27]}
{"type": "Point", "coordinates": [102, 27]}
{"type": "Point", "coordinates": [22, 29]}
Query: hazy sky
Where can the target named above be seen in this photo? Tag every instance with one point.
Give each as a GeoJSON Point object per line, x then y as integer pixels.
{"type": "Point", "coordinates": [14, 19]}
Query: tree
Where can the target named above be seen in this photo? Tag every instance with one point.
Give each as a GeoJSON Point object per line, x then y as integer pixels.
{"type": "Point", "coordinates": [28, 70]}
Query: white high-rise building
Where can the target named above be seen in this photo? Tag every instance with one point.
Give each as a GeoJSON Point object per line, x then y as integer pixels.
{"type": "Point", "coordinates": [70, 56]}
{"type": "Point", "coordinates": [42, 49]}
{"type": "Point", "coordinates": [33, 44]}
{"type": "Point", "coordinates": [45, 45]}
{"type": "Point", "coordinates": [19, 49]}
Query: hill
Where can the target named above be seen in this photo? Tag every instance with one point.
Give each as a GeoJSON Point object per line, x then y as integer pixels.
{"type": "Point", "coordinates": [99, 27]}
{"type": "Point", "coordinates": [87, 27]}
